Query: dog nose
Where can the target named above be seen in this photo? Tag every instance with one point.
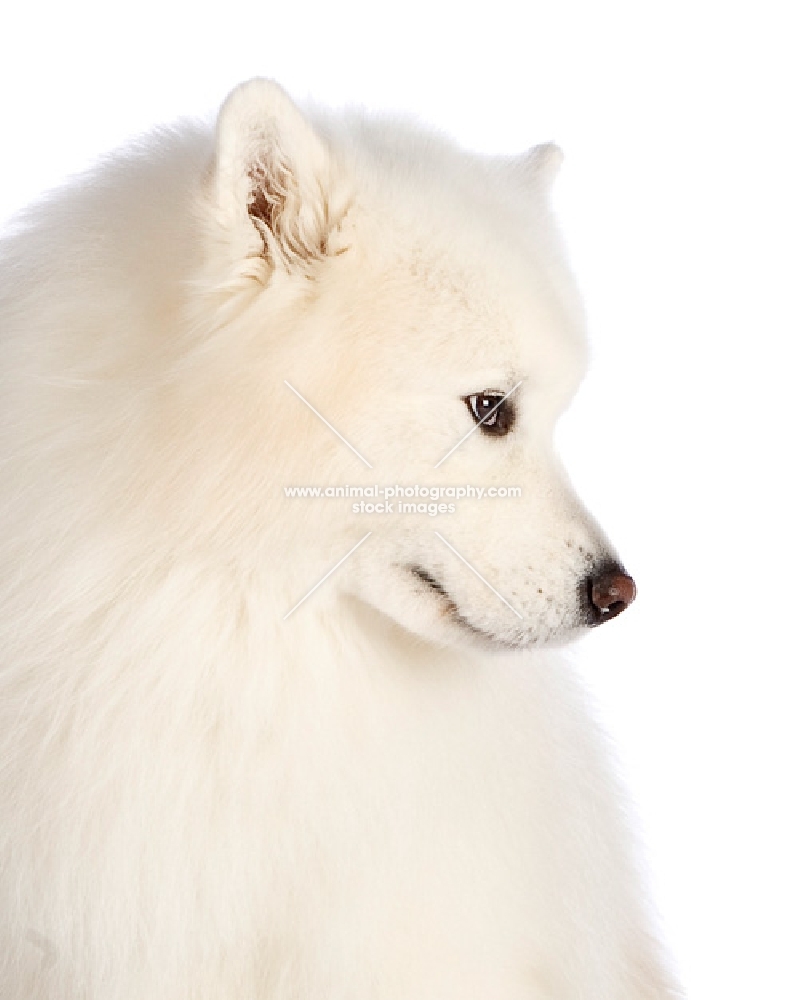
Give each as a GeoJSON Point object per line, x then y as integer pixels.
{"type": "Point", "coordinates": [610, 591]}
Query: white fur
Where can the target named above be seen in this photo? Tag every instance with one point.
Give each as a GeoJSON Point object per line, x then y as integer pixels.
{"type": "Point", "coordinates": [200, 800]}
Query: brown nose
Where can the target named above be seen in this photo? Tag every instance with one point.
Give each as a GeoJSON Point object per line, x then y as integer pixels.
{"type": "Point", "coordinates": [611, 591]}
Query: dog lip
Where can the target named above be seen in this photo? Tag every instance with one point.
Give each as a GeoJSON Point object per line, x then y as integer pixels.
{"type": "Point", "coordinates": [453, 611]}
{"type": "Point", "coordinates": [432, 582]}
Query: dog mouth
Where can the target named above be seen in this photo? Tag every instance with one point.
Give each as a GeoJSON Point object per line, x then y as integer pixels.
{"type": "Point", "coordinates": [433, 584]}
{"type": "Point", "coordinates": [454, 614]}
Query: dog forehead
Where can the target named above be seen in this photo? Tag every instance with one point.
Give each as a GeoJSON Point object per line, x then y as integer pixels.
{"type": "Point", "coordinates": [462, 264]}
{"type": "Point", "coordinates": [483, 306]}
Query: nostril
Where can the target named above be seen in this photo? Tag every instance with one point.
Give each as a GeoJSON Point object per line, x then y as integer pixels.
{"type": "Point", "coordinates": [610, 592]}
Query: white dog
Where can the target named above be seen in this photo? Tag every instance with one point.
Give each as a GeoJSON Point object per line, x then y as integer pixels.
{"type": "Point", "coordinates": [214, 784]}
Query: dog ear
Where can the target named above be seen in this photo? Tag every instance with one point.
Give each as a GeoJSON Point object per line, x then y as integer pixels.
{"type": "Point", "coordinates": [541, 164]}
{"type": "Point", "coordinates": [272, 177]}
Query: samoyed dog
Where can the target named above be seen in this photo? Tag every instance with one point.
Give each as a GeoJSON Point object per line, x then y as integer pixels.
{"type": "Point", "coordinates": [261, 746]}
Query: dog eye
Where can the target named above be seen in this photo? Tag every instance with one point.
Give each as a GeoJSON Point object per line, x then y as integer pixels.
{"type": "Point", "coordinates": [494, 414]}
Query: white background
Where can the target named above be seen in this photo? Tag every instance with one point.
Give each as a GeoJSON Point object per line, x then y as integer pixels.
{"type": "Point", "coordinates": [680, 202]}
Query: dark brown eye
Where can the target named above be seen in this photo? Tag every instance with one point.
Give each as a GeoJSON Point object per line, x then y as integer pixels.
{"type": "Point", "coordinates": [491, 411]}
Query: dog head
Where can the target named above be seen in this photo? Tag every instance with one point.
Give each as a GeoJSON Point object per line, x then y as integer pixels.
{"type": "Point", "coordinates": [407, 312]}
